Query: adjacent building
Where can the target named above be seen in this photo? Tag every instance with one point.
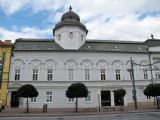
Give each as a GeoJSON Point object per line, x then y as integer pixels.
{"type": "Point", "coordinates": [5, 53]}
{"type": "Point", "coordinates": [51, 65]}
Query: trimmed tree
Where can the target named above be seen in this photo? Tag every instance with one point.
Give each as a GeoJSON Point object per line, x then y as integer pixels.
{"type": "Point", "coordinates": [119, 95]}
{"type": "Point", "coordinates": [77, 90]}
{"type": "Point", "coordinates": [27, 91]}
{"type": "Point", "coordinates": [153, 90]}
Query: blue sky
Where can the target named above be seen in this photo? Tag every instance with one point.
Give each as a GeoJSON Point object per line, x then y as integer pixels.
{"type": "Point", "coordinates": [105, 19]}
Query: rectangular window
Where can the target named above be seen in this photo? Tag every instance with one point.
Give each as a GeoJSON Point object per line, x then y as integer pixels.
{"type": "Point", "coordinates": [35, 74]}
{"type": "Point", "coordinates": [118, 74]}
{"type": "Point", "coordinates": [70, 74]}
{"type": "Point", "coordinates": [49, 97]}
{"type": "Point", "coordinates": [145, 74]}
{"type": "Point", "coordinates": [50, 74]}
{"type": "Point", "coordinates": [70, 100]}
{"type": "Point", "coordinates": [87, 74]}
{"type": "Point", "coordinates": [103, 74]}
{"type": "Point", "coordinates": [33, 100]}
{"type": "Point", "coordinates": [157, 75]}
{"type": "Point", "coordinates": [17, 74]}
{"type": "Point", "coordinates": [88, 98]}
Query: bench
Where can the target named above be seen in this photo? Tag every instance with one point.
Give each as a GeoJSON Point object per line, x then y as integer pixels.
{"type": "Point", "coordinates": [104, 109]}
{"type": "Point", "coordinates": [91, 109]}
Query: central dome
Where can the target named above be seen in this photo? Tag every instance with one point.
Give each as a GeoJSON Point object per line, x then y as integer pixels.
{"type": "Point", "coordinates": [70, 18]}
{"type": "Point", "coordinates": [70, 15]}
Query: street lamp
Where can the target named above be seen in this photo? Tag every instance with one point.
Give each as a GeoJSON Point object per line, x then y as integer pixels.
{"type": "Point", "coordinates": [99, 105]}
{"type": "Point", "coordinates": [131, 71]}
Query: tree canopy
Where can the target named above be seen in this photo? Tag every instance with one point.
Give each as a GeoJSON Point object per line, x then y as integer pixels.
{"type": "Point", "coordinates": [152, 90]}
{"type": "Point", "coordinates": [120, 93]}
{"type": "Point", "coordinates": [27, 91]}
{"type": "Point", "coordinates": [77, 90]}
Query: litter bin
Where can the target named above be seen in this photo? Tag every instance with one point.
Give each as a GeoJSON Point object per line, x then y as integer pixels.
{"type": "Point", "coordinates": [158, 102]}
{"type": "Point", "coordinates": [45, 108]}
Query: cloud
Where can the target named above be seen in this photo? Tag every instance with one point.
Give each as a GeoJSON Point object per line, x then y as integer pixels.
{"type": "Point", "coordinates": [25, 32]}
{"type": "Point", "coordinates": [105, 19]}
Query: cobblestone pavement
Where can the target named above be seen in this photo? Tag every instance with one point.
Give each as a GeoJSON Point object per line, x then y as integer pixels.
{"type": "Point", "coordinates": [125, 116]}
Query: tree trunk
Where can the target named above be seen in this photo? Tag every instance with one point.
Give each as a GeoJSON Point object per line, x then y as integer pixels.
{"type": "Point", "coordinates": [27, 106]}
{"type": "Point", "coordinates": [76, 105]}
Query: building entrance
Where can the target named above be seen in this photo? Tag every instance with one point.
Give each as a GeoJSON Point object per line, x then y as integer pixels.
{"type": "Point", "coordinates": [14, 99]}
{"type": "Point", "coordinates": [105, 98]}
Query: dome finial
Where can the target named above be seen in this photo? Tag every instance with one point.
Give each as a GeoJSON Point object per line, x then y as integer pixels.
{"type": "Point", "coordinates": [70, 8]}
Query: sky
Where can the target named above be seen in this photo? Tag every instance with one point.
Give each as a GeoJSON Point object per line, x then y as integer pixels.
{"type": "Point", "coordinates": [129, 20]}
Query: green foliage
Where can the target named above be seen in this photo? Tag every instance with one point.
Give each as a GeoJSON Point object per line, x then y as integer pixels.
{"type": "Point", "coordinates": [77, 90]}
{"type": "Point", "coordinates": [120, 93]}
{"type": "Point", "coordinates": [27, 91]}
{"type": "Point", "coordinates": [152, 90]}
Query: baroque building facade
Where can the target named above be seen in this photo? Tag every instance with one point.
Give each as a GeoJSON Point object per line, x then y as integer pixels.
{"type": "Point", "coordinates": [102, 65]}
{"type": "Point", "coordinates": [5, 54]}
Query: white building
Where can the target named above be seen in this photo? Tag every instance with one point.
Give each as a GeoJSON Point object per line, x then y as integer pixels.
{"type": "Point", "coordinates": [103, 66]}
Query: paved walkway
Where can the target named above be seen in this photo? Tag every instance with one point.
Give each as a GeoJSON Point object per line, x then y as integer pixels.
{"type": "Point", "coordinates": [19, 112]}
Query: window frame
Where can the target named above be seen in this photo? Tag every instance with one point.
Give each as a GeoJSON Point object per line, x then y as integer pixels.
{"type": "Point", "coordinates": [17, 73]}
{"type": "Point", "coordinates": [118, 74]}
{"type": "Point", "coordinates": [49, 74]}
{"type": "Point", "coordinates": [35, 74]}
{"type": "Point", "coordinates": [49, 97]}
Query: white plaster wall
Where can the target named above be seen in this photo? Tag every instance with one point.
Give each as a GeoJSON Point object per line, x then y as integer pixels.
{"type": "Point", "coordinates": [60, 81]}
{"type": "Point", "coordinates": [68, 43]}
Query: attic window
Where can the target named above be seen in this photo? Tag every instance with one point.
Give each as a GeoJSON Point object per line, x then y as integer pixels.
{"type": "Point", "coordinates": [35, 46]}
{"type": "Point", "coordinates": [89, 46]}
{"type": "Point", "coordinates": [139, 48]}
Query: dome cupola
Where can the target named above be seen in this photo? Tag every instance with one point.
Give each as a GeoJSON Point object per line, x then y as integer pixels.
{"type": "Point", "coordinates": [70, 18]}
{"type": "Point", "coordinates": [70, 33]}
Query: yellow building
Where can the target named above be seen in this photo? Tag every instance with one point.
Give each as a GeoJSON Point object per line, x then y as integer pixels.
{"type": "Point", "coordinates": [5, 55]}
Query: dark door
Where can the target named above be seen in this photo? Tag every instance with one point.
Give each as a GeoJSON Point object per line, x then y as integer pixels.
{"type": "Point", "coordinates": [14, 99]}
{"type": "Point", "coordinates": [118, 100]}
{"type": "Point", "coordinates": [105, 98]}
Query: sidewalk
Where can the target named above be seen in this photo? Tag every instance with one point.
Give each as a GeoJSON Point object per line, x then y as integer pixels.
{"type": "Point", "coordinates": [19, 112]}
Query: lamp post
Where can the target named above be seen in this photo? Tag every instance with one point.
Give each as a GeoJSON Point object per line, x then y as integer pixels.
{"type": "Point", "coordinates": [131, 71]}
{"type": "Point", "coordinates": [99, 105]}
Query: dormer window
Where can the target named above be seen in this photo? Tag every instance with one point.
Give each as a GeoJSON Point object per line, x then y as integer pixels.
{"type": "Point", "coordinates": [59, 37]}
{"type": "Point", "coordinates": [71, 35]}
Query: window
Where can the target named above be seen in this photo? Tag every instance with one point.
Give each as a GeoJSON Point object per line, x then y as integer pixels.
{"type": "Point", "coordinates": [145, 74]}
{"type": "Point", "coordinates": [88, 98]}
{"type": "Point", "coordinates": [17, 74]}
{"type": "Point", "coordinates": [71, 35]}
{"type": "Point", "coordinates": [71, 100]}
{"type": "Point", "coordinates": [118, 75]}
{"type": "Point", "coordinates": [59, 37]}
{"type": "Point", "coordinates": [82, 37]}
{"type": "Point", "coordinates": [103, 74]}
{"type": "Point", "coordinates": [87, 74]}
{"type": "Point", "coordinates": [35, 74]}
{"type": "Point", "coordinates": [70, 74]}
{"type": "Point", "coordinates": [157, 75]}
{"type": "Point", "coordinates": [50, 74]}
{"type": "Point", "coordinates": [49, 97]}
{"type": "Point", "coordinates": [33, 100]}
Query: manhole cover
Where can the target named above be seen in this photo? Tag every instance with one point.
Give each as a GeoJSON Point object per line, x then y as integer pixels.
{"type": "Point", "coordinates": [59, 118]}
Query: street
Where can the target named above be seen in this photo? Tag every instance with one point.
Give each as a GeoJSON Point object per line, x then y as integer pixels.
{"type": "Point", "coordinates": [128, 116]}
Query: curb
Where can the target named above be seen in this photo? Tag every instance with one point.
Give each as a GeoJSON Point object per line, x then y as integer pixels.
{"type": "Point", "coordinates": [71, 114]}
